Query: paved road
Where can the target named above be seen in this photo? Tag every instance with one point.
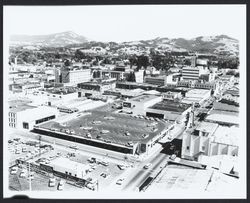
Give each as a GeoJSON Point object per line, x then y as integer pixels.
{"type": "Point", "coordinates": [140, 174]}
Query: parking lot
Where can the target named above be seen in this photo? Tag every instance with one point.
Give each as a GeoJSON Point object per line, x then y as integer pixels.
{"type": "Point", "coordinates": [105, 175]}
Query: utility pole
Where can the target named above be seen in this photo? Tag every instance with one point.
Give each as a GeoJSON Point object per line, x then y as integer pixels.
{"type": "Point", "coordinates": [29, 177]}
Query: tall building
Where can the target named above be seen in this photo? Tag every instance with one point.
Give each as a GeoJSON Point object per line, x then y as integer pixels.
{"type": "Point", "coordinates": [190, 73]}
{"type": "Point", "coordinates": [75, 76]}
{"type": "Point", "coordinates": [193, 61]}
{"type": "Point", "coordinates": [194, 73]}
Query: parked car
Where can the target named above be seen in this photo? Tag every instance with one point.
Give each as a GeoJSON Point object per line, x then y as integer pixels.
{"type": "Point", "coordinates": [122, 167]}
{"type": "Point", "coordinates": [13, 170]}
{"type": "Point", "coordinates": [120, 181]}
{"type": "Point", "coordinates": [92, 160]}
{"type": "Point", "coordinates": [52, 182]}
{"type": "Point", "coordinates": [60, 185]}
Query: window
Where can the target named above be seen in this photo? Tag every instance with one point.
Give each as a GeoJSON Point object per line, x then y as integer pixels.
{"type": "Point", "coordinates": [25, 125]}
{"type": "Point", "coordinates": [203, 148]}
{"type": "Point", "coordinates": [187, 147]}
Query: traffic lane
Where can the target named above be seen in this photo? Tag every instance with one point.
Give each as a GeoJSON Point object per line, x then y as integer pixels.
{"type": "Point", "coordinates": [138, 178]}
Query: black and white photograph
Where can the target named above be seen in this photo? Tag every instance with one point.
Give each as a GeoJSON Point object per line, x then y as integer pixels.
{"type": "Point", "coordinates": [124, 101]}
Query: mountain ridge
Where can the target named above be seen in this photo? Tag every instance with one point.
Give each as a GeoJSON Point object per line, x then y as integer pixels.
{"type": "Point", "coordinates": [217, 44]}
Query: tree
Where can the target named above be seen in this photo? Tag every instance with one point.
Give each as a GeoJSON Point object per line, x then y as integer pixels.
{"type": "Point", "coordinates": [131, 77]}
{"type": "Point", "coordinates": [67, 63]}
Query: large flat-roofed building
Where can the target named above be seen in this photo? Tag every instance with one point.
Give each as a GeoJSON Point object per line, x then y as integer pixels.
{"type": "Point", "coordinates": [156, 80]}
{"type": "Point", "coordinates": [210, 139]}
{"type": "Point", "coordinates": [74, 76]}
{"type": "Point", "coordinates": [139, 104]}
{"type": "Point", "coordinates": [111, 131]}
{"type": "Point", "coordinates": [169, 110]}
{"type": "Point", "coordinates": [196, 96]}
{"type": "Point", "coordinates": [25, 116]}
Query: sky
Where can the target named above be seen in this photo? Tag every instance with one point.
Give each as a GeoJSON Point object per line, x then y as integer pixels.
{"type": "Point", "coordinates": [127, 23]}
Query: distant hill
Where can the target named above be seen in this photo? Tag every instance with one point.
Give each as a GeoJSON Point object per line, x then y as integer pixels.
{"type": "Point", "coordinates": [219, 45]}
{"type": "Point", "coordinates": [52, 40]}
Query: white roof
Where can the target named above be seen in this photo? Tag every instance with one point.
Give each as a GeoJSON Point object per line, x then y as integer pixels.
{"type": "Point", "coordinates": [71, 165]}
{"type": "Point", "coordinates": [227, 135]}
{"type": "Point", "coordinates": [223, 116]}
{"type": "Point", "coordinates": [37, 113]}
{"type": "Point", "coordinates": [207, 127]}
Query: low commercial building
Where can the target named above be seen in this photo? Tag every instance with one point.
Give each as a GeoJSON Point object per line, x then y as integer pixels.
{"type": "Point", "coordinates": [156, 80]}
{"type": "Point", "coordinates": [231, 95]}
{"type": "Point", "coordinates": [97, 86]}
{"type": "Point", "coordinates": [210, 139]}
{"type": "Point", "coordinates": [139, 104]}
{"type": "Point", "coordinates": [56, 96]}
{"type": "Point", "coordinates": [25, 116]}
{"type": "Point", "coordinates": [196, 96]}
{"type": "Point", "coordinates": [170, 110]}
{"type": "Point", "coordinates": [66, 167]}
{"type": "Point", "coordinates": [227, 78]}
{"type": "Point", "coordinates": [227, 118]}
{"type": "Point", "coordinates": [172, 95]}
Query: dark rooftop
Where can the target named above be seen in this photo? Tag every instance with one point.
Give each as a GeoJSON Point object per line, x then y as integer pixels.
{"type": "Point", "coordinates": [171, 106]}
{"type": "Point", "coordinates": [61, 90]}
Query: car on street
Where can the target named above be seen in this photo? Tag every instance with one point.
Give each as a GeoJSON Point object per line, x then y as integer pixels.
{"type": "Point", "coordinates": [173, 156]}
{"type": "Point", "coordinates": [147, 166]}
